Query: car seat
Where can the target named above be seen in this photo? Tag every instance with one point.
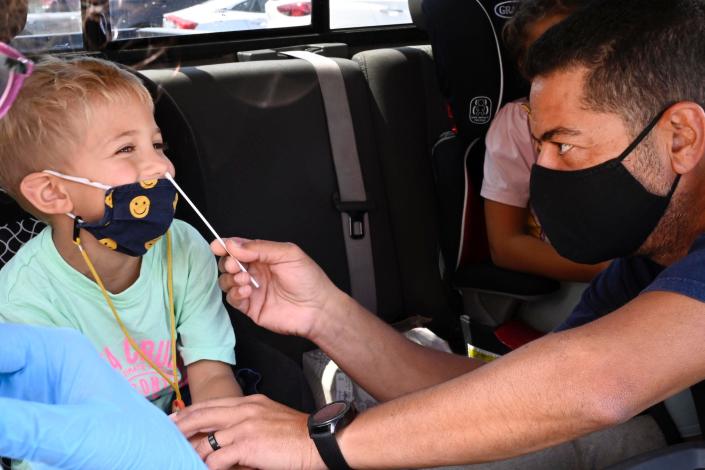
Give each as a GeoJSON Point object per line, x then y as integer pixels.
{"type": "Point", "coordinates": [17, 227]}
{"type": "Point", "coordinates": [477, 78]}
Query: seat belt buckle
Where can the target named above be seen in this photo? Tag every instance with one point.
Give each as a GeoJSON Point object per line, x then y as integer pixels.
{"type": "Point", "coordinates": [356, 211]}
{"type": "Point", "coordinates": [356, 225]}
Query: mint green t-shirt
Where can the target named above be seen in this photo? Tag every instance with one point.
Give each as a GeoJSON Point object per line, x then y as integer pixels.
{"type": "Point", "coordinates": [38, 287]}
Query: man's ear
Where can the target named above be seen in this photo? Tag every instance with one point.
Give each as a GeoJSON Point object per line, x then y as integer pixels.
{"type": "Point", "coordinates": [46, 193]}
{"type": "Point", "coordinates": [685, 127]}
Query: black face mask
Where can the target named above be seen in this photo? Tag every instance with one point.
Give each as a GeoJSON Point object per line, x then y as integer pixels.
{"type": "Point", "coordinates": [598, 213]}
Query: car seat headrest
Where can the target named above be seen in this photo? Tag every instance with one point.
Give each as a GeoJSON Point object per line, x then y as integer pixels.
{"type": "Point", "coordinates": [474, 73]}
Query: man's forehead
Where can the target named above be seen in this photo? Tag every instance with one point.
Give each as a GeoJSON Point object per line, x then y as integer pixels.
{"type": "Point", "coordinates": [557, 107]}
{"type": "Point", "coordinates": [556, 100]}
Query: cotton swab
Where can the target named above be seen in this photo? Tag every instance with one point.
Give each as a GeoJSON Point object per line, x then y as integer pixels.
{"type": "Point", "coordinates": [210, 227]}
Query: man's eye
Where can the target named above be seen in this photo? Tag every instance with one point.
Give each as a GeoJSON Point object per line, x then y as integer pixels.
{"type": "Point", "coordinates": [564, 148]}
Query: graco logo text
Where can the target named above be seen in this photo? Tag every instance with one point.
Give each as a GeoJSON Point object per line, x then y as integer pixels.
{"type": "Point", "coordinates": [506, 9]}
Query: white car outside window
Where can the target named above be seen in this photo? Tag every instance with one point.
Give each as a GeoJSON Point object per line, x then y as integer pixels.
{"type": "Point", "coordinates": [360, 13]}
{"type": "Point", "coordinates": [343, 13]}
{"type": "Point", "coordinates": [219, 15]}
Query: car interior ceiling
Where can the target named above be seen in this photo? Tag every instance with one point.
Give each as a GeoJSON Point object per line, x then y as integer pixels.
{"type": "Point", "coordinates": [251, 144]}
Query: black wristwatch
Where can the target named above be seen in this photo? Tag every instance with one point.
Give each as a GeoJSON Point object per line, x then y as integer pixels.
{"type": "Point", "coordinates": [322, 426]}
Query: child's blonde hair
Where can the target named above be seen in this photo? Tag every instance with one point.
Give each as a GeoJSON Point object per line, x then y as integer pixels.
{"type": "Point", "coordinates": [53, 110]}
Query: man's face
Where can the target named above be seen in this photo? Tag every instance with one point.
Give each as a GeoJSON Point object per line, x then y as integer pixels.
{"type": "Point", "coordinates": [123, 145]}
{"type": "Point", "coordinates": [568, 136]}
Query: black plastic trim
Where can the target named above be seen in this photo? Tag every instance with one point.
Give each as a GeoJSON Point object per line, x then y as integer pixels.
{"type": "Point", "coordinates": [199, 49]}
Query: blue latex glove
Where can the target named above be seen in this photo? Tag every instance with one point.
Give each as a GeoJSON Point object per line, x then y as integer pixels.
{"type": "Point", "coordinates": [62, 405]}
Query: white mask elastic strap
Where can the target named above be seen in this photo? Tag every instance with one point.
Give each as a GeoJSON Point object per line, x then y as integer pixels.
{"type": "Point", "coordinates": [78, 179]}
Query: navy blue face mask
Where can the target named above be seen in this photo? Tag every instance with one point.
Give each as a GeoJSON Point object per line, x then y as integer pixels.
{"type": "Point", "coordinates": [598, 213]}
{"type": "Point", "coordinates": [136, 215]}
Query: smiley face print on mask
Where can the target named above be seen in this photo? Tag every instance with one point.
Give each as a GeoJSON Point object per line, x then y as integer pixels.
{"type": "Point", "coordinates": [108, 243]}
{"type": "Point", "coordinates": [139, 207]}
{"type": "Point", "coordinates": [149, 184]}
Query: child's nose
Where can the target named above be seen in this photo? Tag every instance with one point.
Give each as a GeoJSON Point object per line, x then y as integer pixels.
{"type": "Point", "coordinates": [156, 165]}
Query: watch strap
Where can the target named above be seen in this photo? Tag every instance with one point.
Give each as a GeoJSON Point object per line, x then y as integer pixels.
{"type": "Point", "coordinates": [329, 450]}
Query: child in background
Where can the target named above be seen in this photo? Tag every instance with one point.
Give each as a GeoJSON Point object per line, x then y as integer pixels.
{"type": "Point", "coordinates": [515, 237]}
{"type": "Point", "coordinates": [88, 158]}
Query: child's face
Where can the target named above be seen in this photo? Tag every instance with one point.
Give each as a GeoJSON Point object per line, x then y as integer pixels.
{"type": "Point", "coordinates": [123, 145]}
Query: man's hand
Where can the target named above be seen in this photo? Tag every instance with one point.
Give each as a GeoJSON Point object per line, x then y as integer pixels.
{"type": "Point", "coordinates": [296, 297]}
{"type": "Point", "coordinates": [63, 406]}
{"type": "Point", "coordinates": [252, 431]}
{"type": "Point", "coordinates": [294, 291]}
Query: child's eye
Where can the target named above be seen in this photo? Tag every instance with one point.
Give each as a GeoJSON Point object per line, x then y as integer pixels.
{"type": "Point", "coordinates": [564, 148]}
{"type": "Point", "coordinates": [161, 146]}
{"type": "Point", "coordinates": [127, 149]}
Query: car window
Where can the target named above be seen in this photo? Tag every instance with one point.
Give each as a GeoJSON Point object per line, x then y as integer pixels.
{"type": "Point", "coordinates": [53, 20]}
{"type": "Point", "coordinates": [53, 25]}
{"type": "Point", "coordinates": [361, 13]}
{"type": "Point", "coordinates": [56, 25]}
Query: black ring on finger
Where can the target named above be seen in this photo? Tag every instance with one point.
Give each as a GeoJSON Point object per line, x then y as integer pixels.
{"type": "Point", "coordinates": [212, 441]}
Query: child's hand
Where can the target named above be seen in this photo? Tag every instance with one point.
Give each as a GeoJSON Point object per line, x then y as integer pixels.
{"type": "Point", "coordinates": [62, 405]}
{"type": "Point", "coordinates": [294, 291]}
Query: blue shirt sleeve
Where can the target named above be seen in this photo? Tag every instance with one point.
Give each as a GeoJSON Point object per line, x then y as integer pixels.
{"type": "Point", "coordinates": [686, 276]}
{"type": "Point", "coordinates": [621, 282]}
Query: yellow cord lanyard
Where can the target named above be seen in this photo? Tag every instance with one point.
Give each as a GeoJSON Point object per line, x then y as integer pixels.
{"type": "Point", "coordinates": [178, 403]}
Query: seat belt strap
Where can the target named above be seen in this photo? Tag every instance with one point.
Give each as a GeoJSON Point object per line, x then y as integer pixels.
{"type": "Point", "coordinates": [351, 199]}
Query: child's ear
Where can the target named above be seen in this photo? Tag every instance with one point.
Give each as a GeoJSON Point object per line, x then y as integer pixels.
{"type": "Point", "coordinates": [46, 194]}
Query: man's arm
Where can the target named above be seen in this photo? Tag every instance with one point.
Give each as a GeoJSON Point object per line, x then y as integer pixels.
{"type": "Point", "coordinates": [297, 298]}
{"type": "Point", "coordinates": [550, 391]}
{"type": "Point", "coordinates": [211, 379]}
{"type": "Point", "coordinates": [385, 363]}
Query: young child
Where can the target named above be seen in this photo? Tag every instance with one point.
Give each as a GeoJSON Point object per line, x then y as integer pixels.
{"type": "Point", "coordinates": [81, 150]}
{"type": "Point", "coordinates": [515, 237]}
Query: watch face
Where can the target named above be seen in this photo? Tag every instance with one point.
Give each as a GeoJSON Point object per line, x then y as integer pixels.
{"type": "Point", "coordinates": [329, 412]}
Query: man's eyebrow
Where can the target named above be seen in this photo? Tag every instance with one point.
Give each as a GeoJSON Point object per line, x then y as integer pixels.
{"type": "Point", "coordinates": [557, 131]}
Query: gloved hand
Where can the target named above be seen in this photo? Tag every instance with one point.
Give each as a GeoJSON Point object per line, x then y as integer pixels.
{"type": "Point", "coordinates": [61, 405]}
